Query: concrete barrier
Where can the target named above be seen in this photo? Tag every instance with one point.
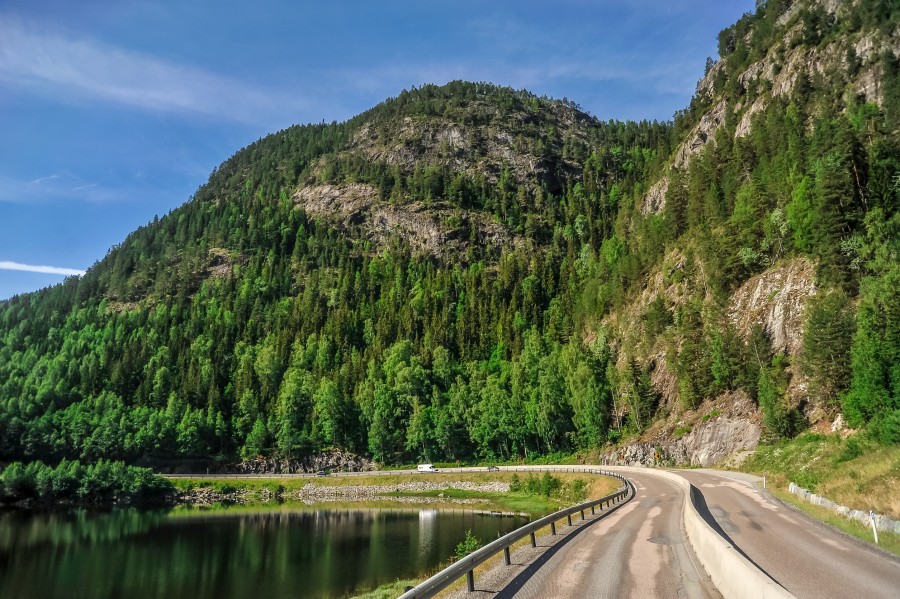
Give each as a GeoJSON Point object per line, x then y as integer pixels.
{"type": "Point", "coordinates": [734, 575]}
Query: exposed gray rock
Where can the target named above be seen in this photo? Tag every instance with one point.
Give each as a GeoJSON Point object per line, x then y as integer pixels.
{"type": "Point", "coordinates": [434, 228]}
{"type": "Point", "coordinates": [711, 443]}
{"type": "Point", "coordinates": [437, 140]}
{"type": "Point", "coordinates": [336, 460]}
{"type": "Point", "coordinates": [782, 67]}
{"type": "Point", "coordinates": [743, 127]}
{"type": "Point", "coordinates": [700, 135]}
{"type": "Point", "coordinates": [655, 200]}
{"type": "Point", "coordinates": [776, 300]}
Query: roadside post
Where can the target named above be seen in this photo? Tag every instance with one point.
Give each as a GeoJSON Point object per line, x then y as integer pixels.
{"type": "Point", "coordinates": [874, 529]}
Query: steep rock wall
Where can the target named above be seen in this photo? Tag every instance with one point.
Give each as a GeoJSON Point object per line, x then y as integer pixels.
{"type": "Point", "coordinates": [776, 300]}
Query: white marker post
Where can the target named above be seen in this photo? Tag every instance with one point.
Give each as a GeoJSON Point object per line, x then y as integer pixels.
{"type": "Point", "coordinates": [874, 530]}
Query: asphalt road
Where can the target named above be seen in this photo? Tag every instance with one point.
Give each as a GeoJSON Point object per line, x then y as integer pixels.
{"type": "Point", "coordinates": [806, 557]}
{"type": "Point", "coordinates": [639, 551]}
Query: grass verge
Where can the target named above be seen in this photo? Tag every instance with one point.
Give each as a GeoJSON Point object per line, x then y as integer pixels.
{"type": "Point", "coordinates": [387, 591]}
{"type": "Point", "coordinates": [854, 472]}
{"type": "Point", "coordinates": [886, 540]}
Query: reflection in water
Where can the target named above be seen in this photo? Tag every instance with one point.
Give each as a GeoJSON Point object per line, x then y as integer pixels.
{"type": "Point", "coordinates": [268, 553]}
{"type": "Point", "coordinates": [427, 523]}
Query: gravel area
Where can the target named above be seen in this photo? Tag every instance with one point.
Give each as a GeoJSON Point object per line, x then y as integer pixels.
{"type": "Point", "coordinates": [362, 492]}
{"type": "Point", "coordinates": [313, 493]}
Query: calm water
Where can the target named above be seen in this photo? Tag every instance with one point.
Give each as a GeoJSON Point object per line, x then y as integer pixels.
{"type": "Point", "coordinates": [261, 554]}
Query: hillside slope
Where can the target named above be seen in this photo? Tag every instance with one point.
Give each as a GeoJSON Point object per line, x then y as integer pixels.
{"type": "Point", "coordinates": [469, 271]}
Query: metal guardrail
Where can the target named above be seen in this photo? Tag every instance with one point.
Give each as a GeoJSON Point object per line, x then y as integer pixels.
{"type": "Point", "coordinates": [466, 566]}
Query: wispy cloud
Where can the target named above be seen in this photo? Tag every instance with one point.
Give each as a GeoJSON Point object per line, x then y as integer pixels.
{"type": "Point", "coordinates": [58, 186]}
{"type": "Point", "coordinates": [50, 270]}
{"type": "Point", "coordinates": [62, 66]}
{"type": "Point", "coordinates": [40, 180]}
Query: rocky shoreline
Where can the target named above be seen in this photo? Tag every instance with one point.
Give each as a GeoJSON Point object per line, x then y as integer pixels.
{"type": "Point", "coordinates": [311, 493]}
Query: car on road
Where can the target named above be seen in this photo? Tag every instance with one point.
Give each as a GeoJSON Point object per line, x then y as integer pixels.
{"type": "Point", "coordinates": [493, 469]}
{"type": "Point", "coordinates": [426, 468]}
{"type": "Point", "coordinates": [322, 473]}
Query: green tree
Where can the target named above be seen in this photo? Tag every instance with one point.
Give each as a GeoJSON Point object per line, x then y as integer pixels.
{"type": "Point", "coordinates": [875, 356]}
{"type": "Point", "coordinates": [827, 335]}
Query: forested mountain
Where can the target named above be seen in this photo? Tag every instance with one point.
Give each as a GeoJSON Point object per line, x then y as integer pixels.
{"type": "Point", "coordinates": [469, 271]}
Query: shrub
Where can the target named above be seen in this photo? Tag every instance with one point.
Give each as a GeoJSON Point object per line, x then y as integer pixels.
{"type": "Point", "coordinates": [851, 451]}
{"type": "Point", "coordinates": [549, 484]}
{"type": "Point", "coordinates": [469, 544]}
{"type": "Point", "coordinates": [104, 481]}
{"type": "Point", "coordinates": [18, 480]}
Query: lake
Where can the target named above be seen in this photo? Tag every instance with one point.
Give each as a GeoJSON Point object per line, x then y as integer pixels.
{"type": "Point", "coordinates": [260, 553]}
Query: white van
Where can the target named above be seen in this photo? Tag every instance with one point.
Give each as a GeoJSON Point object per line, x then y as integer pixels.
{"type": "Point", "coordinates": [426, 468]}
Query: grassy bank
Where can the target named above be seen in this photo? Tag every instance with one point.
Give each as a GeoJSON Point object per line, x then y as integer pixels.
{"type": "Point", "coordinates": [854, 472]}
{"type": "Point", "coordinates": [532, 498]}
{"type": "Point", "coordinates": [524, 497]}
{"type": "Point", "coordinates": [387, 591]}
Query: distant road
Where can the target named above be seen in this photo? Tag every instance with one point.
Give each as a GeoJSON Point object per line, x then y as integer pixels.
{"type": "Point", "coordinates": [806, 557]}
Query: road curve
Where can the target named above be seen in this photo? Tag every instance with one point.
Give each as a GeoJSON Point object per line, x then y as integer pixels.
{"type": "Point", "coordinates": [806, 557]}
{"type": "Point", "coordinates": [639, 551]}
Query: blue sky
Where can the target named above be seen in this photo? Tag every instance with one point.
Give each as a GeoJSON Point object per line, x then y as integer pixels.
{"type": "Point", "coordinates": [112, 112]}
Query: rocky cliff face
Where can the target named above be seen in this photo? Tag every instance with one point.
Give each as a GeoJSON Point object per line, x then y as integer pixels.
{"type": "Point", "coordinates": [335, 460]}
{"type": "Point", "coordinates": [854, 60]}
{"type": "Point", "coordinates": [435, 228]}
{"type": "Point", "coordinates": [775, 300]}
{"type": "Point", "coordinates": [726, 429]}
{"type": "Point", "coordinates": [486, 139]}
{"type": "Point", "coordinates": [724, 435]}
{"type": "Point", "coordinates": [534, 149]}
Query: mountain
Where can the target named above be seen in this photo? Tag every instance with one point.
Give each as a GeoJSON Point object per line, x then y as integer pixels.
{"type": "Point", "coordinates": [470, 271]}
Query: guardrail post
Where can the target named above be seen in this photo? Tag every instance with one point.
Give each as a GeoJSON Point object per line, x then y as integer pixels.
{"type": "Point", "coordinates": [470, 580]}
{"type": "Point", "coordinates": [533, 540]}
{"type": "Point", "coordinates": [569, 518]}
{"type": "Point", "coordinates": [553, 528]}
{"type": "Point", "coordinates": [582, 514]}
{"type": "Point", "coordinates": [506, 555]}
{"type": "Point", "coordinates": [592, 510]}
